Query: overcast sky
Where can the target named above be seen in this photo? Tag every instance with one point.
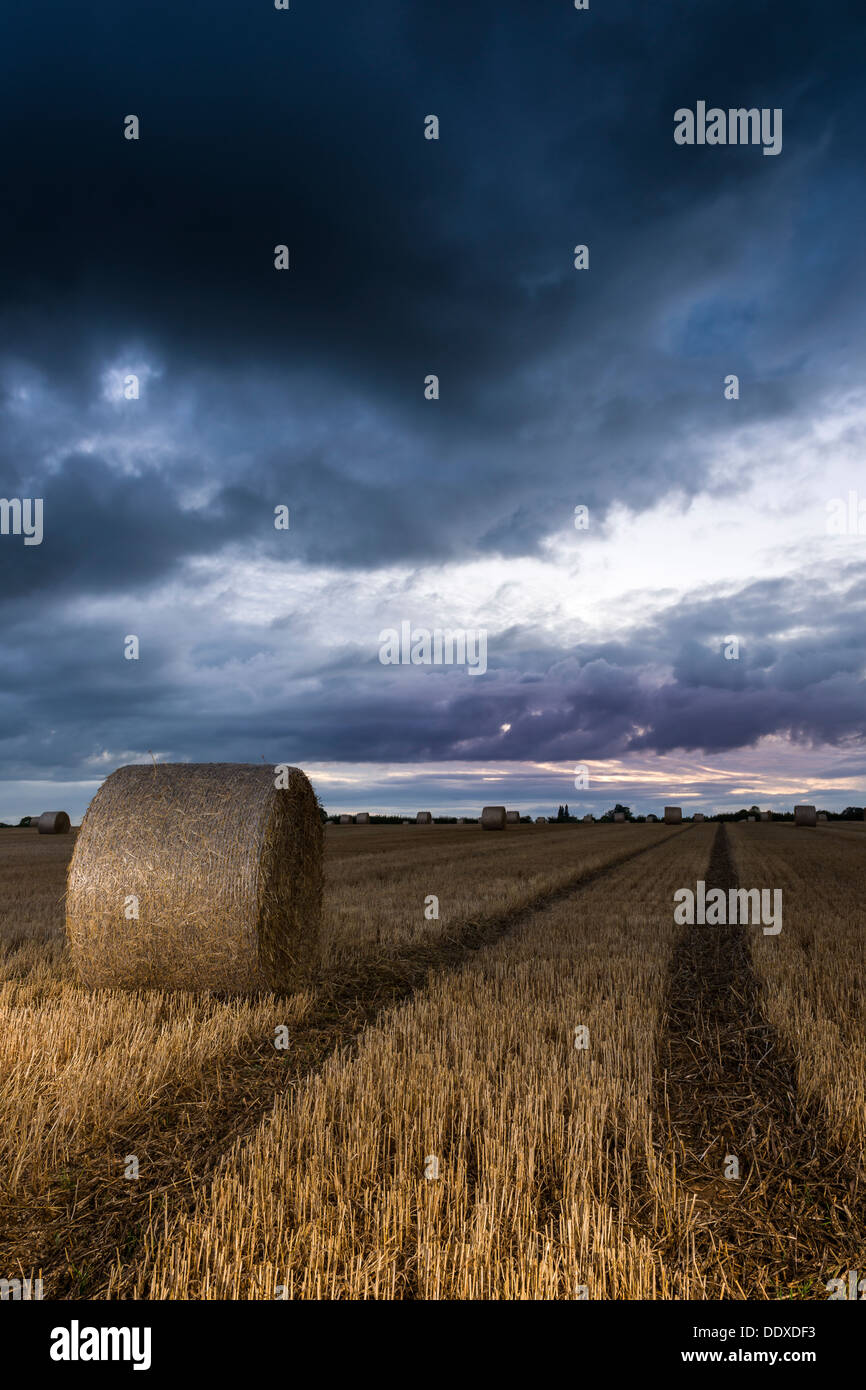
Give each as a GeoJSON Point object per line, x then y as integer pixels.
{"type": "Point", "coordinates": [709, 519]}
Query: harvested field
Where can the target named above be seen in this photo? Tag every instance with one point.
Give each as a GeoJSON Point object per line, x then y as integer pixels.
{"type": "Point", "coordinates": [446, 1044]}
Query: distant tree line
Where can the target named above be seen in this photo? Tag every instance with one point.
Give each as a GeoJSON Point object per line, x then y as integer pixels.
{"type": "Point", "coordinates": [564, 815]}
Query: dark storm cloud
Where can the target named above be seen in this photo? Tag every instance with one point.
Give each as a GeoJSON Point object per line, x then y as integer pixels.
{"type": "Point", "coordinates": [69, 696]}
{"type": "Point", "coordinates": [410, 257]}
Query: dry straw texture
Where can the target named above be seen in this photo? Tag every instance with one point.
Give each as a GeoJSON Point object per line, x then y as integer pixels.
{"type": "Point", "coordinates": [619, 815]}
{"type": "Point", "coordinates": [53, 823]}
{"type": "Point", "coordinates": [493, 818]}
{"type": "Point", "coordinates": [424, 818]}
{"type": "Point", "coordinates": [805, 815]}
{"type": "Point", "coordinates": [347, 820]}
{"type": "Point", "coordinates": [362, 818]}
{"type": "Point", "coordinates": [673, 815]}
{"type": "Point", "coordinates": [512, 817]}
{"type": "Point", "coordinates": [226, 870]}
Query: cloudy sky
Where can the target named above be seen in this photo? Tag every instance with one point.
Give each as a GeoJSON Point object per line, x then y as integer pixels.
{"type": "Point", "coordinates": [709, 519]}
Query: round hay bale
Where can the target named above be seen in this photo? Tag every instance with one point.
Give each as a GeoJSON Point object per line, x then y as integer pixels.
{"type": "Point", "coordinates": [652, 818]}
{"type": "Point", "coordinates": [53, 823]}
{"type": "Point", "coordinates": [587, 820]}
{"type": "Point", "coordinates": [493, 818]}
{"type": "Point", "coordinates": [673, 815]}
{"type": "Point", "coordinates": [619, 815]}
{"type": "Point", "coordinates": [424, 818]}
{"type": "Point", "coordinates": [512, 817]}
{"type": "Point", "coordinates": [765, 815]}
{"type": "Point", "coordinates": [347, 820]}
{"type": "Point", "coordinates": [698, 816]}
{"type": "Point", "coordinates": [541, 820]}
{"type": "Point", "coordinates": [197, 876]}
{"type": "Point", "coordinates": [805, 815]}
{"type": "Point", "coordinates": [362, 818]}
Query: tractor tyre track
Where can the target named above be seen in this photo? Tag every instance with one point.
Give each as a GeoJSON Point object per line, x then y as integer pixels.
{"type": "Point", "coordinates": [727, 1086]}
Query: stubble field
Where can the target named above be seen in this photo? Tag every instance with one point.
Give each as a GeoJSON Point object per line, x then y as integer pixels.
{"type": "Point", "coordinates": [432, 1129]}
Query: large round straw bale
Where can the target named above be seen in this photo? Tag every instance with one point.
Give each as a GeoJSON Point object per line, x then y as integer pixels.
{"type": "Point", "coordinates": [765, 815]}
{"type": "Point", "coordinates": [698, 816]}
{"type": "Point", "coordinates": [362, 818]}
{"type": "Point", "coordinates": [347, 820]}
{"type": "Point", "coordinates": [53, 823]}
{"type": "Point", "coordinates": [805, 815]}
{"type": "Point", "coordinates": [619, 815]}
{"type": "Point", "coordinates": [541, 820]}
{"type": "Point", "coordinates": [424, 818]}
{"type": "Point", "coordinates": [673, 815]}
{"type": "Point", "coordinates": [493, 818]}
{"type": "Point", "coordinates": [822, 816]}
{"type": "Point", "coordinates": [512, 817]}
{"type": "Point", "coordinates": [587, 820]}
{"type": "Point", "coordinates": [197, 876]}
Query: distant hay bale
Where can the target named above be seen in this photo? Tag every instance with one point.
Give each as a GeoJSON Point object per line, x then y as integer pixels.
{"type": "Point", "coordinates": [512, 817]}
{"type": "Point", "coordinates": [751, 818]}
{"type": "Point", "coordinates": [587, 820]}
{"type": "Point", "coordinates": [619, 815]}
{"type": "Point", "coordinates": [673, 815]}
{"type": "Point", "coordinates": [652, 818]}
{"type": "Point", "coordinates": [362, 818]}
{"type": "Point", "coordinates": [805, 815]}
{"type": "Point", "coordinates": [698, 816]}
{"type": "Point", "coordinates": [197, 876]}
{"type": "Point", "coordinates": [764, 815]}
{"type": "Point", "coordinates": [347, 820]}
{"type": "Point", "coordinates": [541, 820]}
{"type": "Point", "coordinates": [424, 818]}
{"type": "Point", "coordinates": [822, 816]}
{"type": "Point", "coordinates": [53, 823]}
{"type": "Point", "coordinates": [493, 818]}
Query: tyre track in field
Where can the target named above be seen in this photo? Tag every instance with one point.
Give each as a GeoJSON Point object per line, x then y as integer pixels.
{"type": "Point", "coordinates": [840, 830]}
{"type": "Point", "coordinates": [727, 1086]}
{"type": "Point", "coordinates": [74, 1238]}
